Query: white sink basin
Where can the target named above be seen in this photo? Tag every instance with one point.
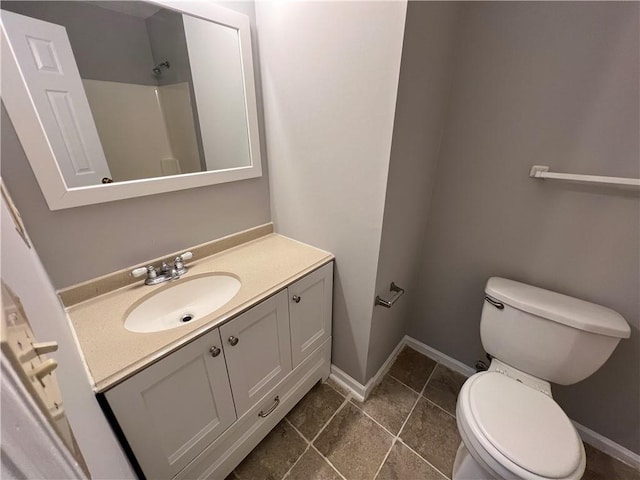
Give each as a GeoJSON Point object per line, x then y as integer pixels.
{"type": "Point", "coordinates": [181, 303]}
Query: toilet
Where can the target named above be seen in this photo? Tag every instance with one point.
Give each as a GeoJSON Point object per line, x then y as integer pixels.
{"type": "Point", "coordinates": [511, 428]}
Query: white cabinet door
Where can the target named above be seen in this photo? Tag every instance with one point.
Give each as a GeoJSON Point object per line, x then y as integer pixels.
{"type": "Point", "coordinates": [310, 312]}
{"type": "Point", "coordinates": [173, 409]}
{"type": "Point", "coordinates": [45, 59]}
{"type": "Point", "coordinates": [257, 348]}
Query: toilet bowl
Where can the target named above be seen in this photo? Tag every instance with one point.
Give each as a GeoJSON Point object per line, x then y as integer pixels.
{"type": "Point", "coordinates": [510, 426]}
{"type": "Point", "coordinates": [514, 430]}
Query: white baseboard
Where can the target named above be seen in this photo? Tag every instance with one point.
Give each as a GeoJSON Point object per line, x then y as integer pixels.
{"type": "Point", "coordinates": [373, 381]}
{"type": "Point", "coordinates": [361, 392]}
{"type": "Point", "coordinates": [347, 382]}
{"type": "Point", "coordinates": [439, 357]}
{"type": "Point", "coordinates": [607, 446]}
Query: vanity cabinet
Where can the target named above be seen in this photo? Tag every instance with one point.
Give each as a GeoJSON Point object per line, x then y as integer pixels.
{"type": "Point", "coordinates": [199, 411]}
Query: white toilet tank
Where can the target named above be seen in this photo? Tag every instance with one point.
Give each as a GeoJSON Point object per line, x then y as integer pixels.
{"type": "Point", "coordinates": [549, 335]}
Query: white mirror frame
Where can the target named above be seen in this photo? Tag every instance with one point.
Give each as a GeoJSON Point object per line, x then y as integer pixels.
{"type": "Point", "coordinates": [25, 119]}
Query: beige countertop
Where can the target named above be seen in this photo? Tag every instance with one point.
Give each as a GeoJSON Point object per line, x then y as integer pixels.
{"type": "Point", "coordinates": [112, 353]}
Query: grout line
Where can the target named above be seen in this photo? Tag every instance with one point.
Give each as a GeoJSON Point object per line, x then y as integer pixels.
{"type": "Point", "coordinates": [298, 431]}
{"type": "Point", "coordinates": [310, 444]}
{"type": "Point", "coordinates": [297, 460]}
{"type": "Point", "coordinates": [438, 406]}
{"type": "Point", "coordinates": [302, 454]}
{"type": "Point", "coordinates": [351, 401]}
{"type": "Point", "coordinates": [402, 383]}
{"type": "Point", "coordinates": [415, 404]}
{"type": "Point", "coordinates": [393, 442]}
{"type": "Point", "coordinates": [374, 420]}
{"type": "Point", "coordinates": [429, 379]}
{"type": "Point", "coordinates": [344, 402]}
{"type": "Point", "coordinates": [419, 392]}
{"type": "Point", "coordinates": [420, 395]}
{"type": "Point", "coordinates": [328, 461]}
{"type": "Point", "coordinates": [430, 376]}
{"type": "Point", "coordinates": [427, 398]}
{"type": "Point", "coordinates": [396, 437]}
{"type": "Point", "coordinates": [423, 459]}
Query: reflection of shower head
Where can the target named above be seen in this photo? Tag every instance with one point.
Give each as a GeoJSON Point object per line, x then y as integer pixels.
{"type": "Point", "coordinates": [157, 70]}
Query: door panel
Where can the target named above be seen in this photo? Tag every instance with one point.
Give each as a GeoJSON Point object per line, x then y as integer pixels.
{"type": "Point", "coordinates": [262, 355]}
{"type": "Point", "coordinates": [310, 312]}
{"type": "Point", "coordinates": [173, 409]}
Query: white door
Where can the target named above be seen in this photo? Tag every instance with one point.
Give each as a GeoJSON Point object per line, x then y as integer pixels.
{"type": "Point", "coordinates": [310, 302]}
{"type": "Point", "coordinates": [258, 351]}
{"type": "Point", "coordinates": [173, 409]}
{"type": "Point", "coordinates": [43, 54]}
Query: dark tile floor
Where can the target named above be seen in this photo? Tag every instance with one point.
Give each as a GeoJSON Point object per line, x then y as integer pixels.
{"type": "Point", "coordinates": [406, 430]}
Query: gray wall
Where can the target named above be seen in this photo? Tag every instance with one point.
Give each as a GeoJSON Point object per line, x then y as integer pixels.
{"type": "Point", "coordinates": [540, 83]}
{"type": "Point", "coordinates": [423, 93]}
{"type": "Point", "coordinates": [81, 243]}
{"type": "Point", "coordinates": [107, 45]}
{"type": "Point", "coordinates": [331, 73]}
{"type": "Point", "coordinates": [168, 42]}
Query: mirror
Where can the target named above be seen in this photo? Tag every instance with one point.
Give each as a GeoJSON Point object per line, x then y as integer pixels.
{"type": "Point", "coordinates": [130, 98]}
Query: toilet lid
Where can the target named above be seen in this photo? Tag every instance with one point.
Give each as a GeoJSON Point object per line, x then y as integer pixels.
{"type": "Point", "coordinates": [524, 425]}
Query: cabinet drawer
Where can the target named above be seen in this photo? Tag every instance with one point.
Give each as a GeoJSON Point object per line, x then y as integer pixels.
{"type": "Point", "coordinates": [173, 409]}
{"type": "Point", "coordinates": [257, 348]}
{"type": "Point", "coordinates": [310, 300]}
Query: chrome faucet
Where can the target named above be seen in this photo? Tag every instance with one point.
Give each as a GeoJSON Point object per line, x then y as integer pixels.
{"type": "Point", "coordinates": [166, 272]}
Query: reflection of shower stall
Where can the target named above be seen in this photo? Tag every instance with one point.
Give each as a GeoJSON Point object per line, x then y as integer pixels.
{"type": "Point", "coordinates": [146, 130]}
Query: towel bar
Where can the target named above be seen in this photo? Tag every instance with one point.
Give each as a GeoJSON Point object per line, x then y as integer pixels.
{"type": "Point", "coordinates": [542, 171]}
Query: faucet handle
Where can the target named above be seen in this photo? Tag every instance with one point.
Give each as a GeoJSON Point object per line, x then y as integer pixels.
{"type": "Point", "coordinates": [178, 263]}
{"type": "Point", "coordinates": [138, 272]}
{"type": "Point", "coordinates": [149, 270]}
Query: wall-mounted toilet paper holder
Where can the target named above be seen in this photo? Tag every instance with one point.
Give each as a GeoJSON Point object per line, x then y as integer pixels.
{"type": "Point", "coordinates": [389, 303]}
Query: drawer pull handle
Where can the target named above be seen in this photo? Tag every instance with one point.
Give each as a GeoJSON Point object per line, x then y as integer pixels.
{"type": "Point", "coordinates": [268, 412]}
{"type": "Point", "coordinates": [233, 341]}
{"type": "Point", "coordinates": [215, 351]}
{"type": "Point", "coordinates": [297, 298]}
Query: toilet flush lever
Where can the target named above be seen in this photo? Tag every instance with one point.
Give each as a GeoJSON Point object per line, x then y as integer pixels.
{"type": "Point", "coordinates": [495, 303]}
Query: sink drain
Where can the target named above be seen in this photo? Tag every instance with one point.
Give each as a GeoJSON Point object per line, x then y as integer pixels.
{"type": "Point", "coordinates": [186, 317]}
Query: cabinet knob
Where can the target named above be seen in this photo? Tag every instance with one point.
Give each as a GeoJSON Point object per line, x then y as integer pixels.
{"type": "Point", "coordinates": [233, 341]}
{"type": "Point", "coordinates": [296, 298]}
{"type": "Point", "coordinates": [215, 351]}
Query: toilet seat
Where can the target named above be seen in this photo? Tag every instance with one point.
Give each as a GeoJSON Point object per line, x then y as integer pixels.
{"type": "Point", "coordinates": [517, 431]}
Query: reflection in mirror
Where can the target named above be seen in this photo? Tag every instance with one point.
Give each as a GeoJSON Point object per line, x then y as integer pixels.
{"type": "Point", "coordinates": [164, 90]}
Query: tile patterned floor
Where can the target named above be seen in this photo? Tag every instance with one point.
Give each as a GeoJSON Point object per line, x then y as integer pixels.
{"type": "Point", "coordinates": [406, 430]}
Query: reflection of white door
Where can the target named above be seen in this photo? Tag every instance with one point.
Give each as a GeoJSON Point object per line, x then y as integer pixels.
{"type": "Point", "coordinates": [45, 59]}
